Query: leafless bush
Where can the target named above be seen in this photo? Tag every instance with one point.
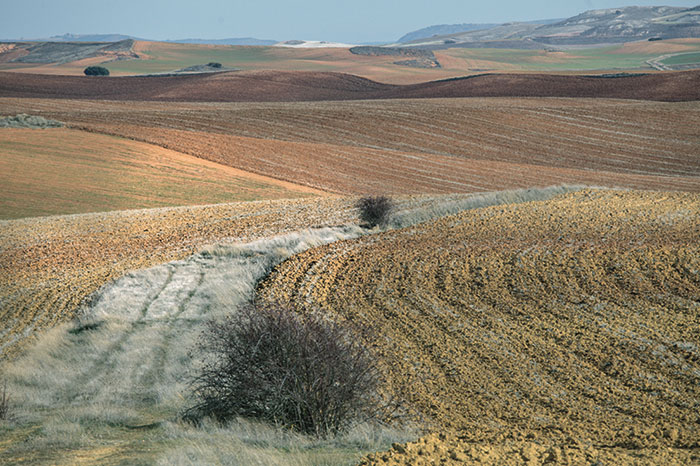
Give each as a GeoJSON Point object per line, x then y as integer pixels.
{"type": "Point", "coordinates": [301, 371]}
{"type": "Point", "coordinates": [375, 210]}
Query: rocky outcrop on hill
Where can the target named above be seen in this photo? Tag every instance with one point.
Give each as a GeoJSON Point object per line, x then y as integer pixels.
{"type": "Point", "coordinates": [65, 52]}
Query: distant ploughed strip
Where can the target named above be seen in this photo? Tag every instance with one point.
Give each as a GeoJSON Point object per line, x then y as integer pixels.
{"type": "Point", "coordinates": [288, 86]}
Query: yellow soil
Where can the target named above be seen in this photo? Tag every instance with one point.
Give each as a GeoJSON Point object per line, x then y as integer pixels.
{"type": "Point", "coordinates": [562, 329]}
{"type": "Point", "coordinates": [62, 171]}
{"type": "Point", "coordinates": [50, 265]}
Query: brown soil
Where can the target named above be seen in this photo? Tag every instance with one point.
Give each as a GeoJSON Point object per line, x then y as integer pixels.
{"type": "Point", "coordinates": [278, 86]}
{"type": "Point", "coordinates": [416, 146]}
{"type": "Point", "coordinates": [564, 330]}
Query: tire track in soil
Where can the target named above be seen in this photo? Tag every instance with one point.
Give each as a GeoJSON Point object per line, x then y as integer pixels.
{"type": "Point", "coordinates": [174, 324]}
{"type": "Point", "coordinates": [108, 358]}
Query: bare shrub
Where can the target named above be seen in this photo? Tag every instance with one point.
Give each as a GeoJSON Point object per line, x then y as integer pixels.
{"type": "Point", "coordinates": [267, 362]}
{"type": "Point", "coordinates": [375, 210]}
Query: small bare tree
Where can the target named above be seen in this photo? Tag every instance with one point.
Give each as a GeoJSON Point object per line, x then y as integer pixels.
{"type": "Point", "coordinates": [302, 371]}
{"type": "Point", "coordinates": [375, 210]}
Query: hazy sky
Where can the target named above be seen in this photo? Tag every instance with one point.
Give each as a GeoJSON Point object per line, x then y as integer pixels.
{"type": "Point", "coordinates": [342, 21]}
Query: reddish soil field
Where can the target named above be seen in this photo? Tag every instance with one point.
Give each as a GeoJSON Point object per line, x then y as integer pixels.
{"type": "Point", "coordinates": [416, 146]}
{"type": "Point", "coordinates": [285, 86]}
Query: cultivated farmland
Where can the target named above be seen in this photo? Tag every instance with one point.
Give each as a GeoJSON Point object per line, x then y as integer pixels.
{"type": "Point", "coordinates": [49, 265]}
{"type": "Point", "coordinates": [294, 86]}
{"type": "Point", "coordinates": [125, 357]}
{"type": "Point", "coordinates": [416, 146]}
{"type": "Point", "coordinates": [525, 327]}
{"type": "Point", "coordinates": [563, 329]}
{"type": "Point", "coordinates": [158, 57]}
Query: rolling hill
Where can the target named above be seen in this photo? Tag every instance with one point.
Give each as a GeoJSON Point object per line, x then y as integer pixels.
{"type": "Point", "coordinates": [553, 322]}
{"type": "Point", "coordinates": [615, 25]}
{"type": "Point", "coordinates": [139, 58]}
{"type": "Point", "coordinates": [65, 171]}
{"type": "Point", "coordinates": [415, 146]}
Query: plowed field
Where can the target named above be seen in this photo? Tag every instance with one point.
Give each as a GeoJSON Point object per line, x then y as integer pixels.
{"type": "Point", "coordinates": [293, 86]}
{"type": "Point", "coordinates": [50, 265]}
{"type": "Point", "coordinates": [564, 330]}
{"type": "Point", "coordinates": [410, 146]}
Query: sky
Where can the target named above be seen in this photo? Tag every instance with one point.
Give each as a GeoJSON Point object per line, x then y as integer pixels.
{"type": "Point", "coordinates": [353, 21]}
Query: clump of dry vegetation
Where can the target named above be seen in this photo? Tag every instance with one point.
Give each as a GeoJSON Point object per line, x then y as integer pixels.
{"type": "Point", "coordinates": [301, 371]}
{"type": "Point", "coordinates": [4, 403]}
{"type": "Point", "coordinates": [375, 210]}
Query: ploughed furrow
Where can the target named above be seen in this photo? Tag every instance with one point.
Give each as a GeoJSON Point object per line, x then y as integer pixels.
{"type": "Point", "coordinates": [394, 146]}
{"type": "Point", "coordinates": [572, 321]}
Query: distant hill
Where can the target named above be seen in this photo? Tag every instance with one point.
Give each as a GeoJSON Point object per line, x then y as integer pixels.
{"type": "Point", "coordinates": [446, 29]}
{"type": "Point", "coordinates": [622, 25]}
{"type": "Point", "coordinates": [613, 25]}
{"type": "Point", "coordinates": [68, 37]}
{"type": "Point", "coordinates": [87, 38]}
{"type": "Point", "coordinates": [64, 52]}
{"type": "Point", "coordinates": [232, 41]}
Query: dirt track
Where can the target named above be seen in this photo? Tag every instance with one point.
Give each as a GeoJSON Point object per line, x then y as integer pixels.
{"type": "Point", "coordinates": [409, 146]}
{"type": "Point", "coordinates": [287, 86]}
{"type": "Point", "coordinates": [569, 324]}
{"type": "Point", "coordinates": [49, 265]}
